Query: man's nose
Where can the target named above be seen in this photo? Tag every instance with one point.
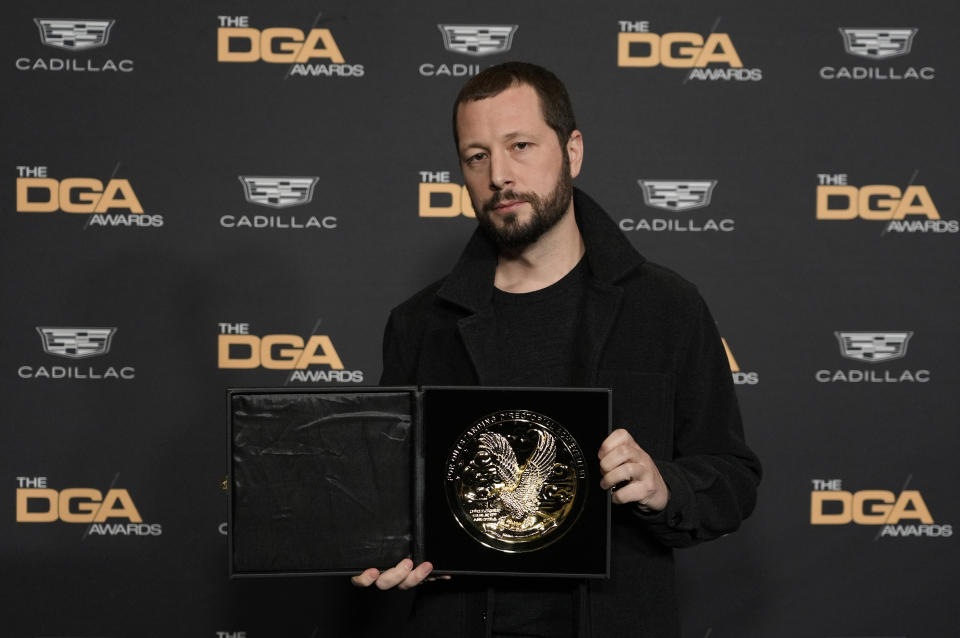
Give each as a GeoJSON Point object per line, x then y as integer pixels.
{"type": "Point", "coordinates": [501, 171]}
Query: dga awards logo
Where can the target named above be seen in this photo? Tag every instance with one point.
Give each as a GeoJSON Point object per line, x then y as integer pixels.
{"type": "Point", "coordinates": [441, 198]}
{"type": "Point", "coordinates": [311, 53]}
{"type": "Point", "coordinates": [900, 514]}
{"type": "Point", "coordinates": [310, 360]}
{"type": "Point", "coordinates": [74, 36]}
{"type": "Point", "coordinates": [711, 57]}
{"type": "Point", "coordinates": [907, 210]}
{"type": "Point", "coordinates": [877, 46]}
{"type": "Point", "coordinates": [873, 347]}
{"type": "Point", "coordinates": [740, 377]}
{"type": "Point", "coordinates": [472, 41]}
{"type": "Point", "coordinates": [680, 197]}
{"type": "Point", "coordinates": [75, 344]}
{"type": "Point", "coordinates": [110, 203]}
{"type": "Point", "coordinates": [278, 193]}
{"type": "Point", "coordinates": [106, 513]}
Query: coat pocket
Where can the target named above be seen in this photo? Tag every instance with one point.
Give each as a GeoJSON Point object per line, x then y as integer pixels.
{"type": "Point", "coordinates": [643, 405]}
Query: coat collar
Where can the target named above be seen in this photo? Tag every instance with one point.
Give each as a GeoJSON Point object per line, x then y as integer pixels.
{"type": "Point", "coordinates": [609, 253]}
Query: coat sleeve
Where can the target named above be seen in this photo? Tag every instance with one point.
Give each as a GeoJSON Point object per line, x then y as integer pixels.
{"type": "Point", "coordinates": [713, 475]}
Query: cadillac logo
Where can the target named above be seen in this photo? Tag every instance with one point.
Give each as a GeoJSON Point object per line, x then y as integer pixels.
{"type": "Point", "coordinates": [676, 195]}
{"type": "Point", "coordinates": [278, 192]}
{"type": "Point", "coordinates": [74, 35]}
{"type": "Point", "coordinates": [76, 343]}
{"type": "Point", "coordinates": [877, 44]}
{"type": "Point", "coordinates": [477, 39]}
{"type": "Point", "coordinates": [873, 347]}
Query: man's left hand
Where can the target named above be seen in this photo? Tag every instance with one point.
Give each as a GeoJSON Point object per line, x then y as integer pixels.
{"type": "Point", "coordinates": [627, 465]}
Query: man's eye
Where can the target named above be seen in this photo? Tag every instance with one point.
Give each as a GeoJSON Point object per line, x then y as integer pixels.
{"type": "Point", "coordinates": [521, 145]}
{"type": "Point", "coordinates": [476, 157]}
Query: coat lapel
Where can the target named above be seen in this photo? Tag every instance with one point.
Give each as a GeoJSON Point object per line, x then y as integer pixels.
{"type": "Point", "coordinates": [470, 286]}
{"type": "Point", "coordinates": [611, 257]}
{"type": "Point", "coordinates": [601, 307]}
{"type": "Point", "coordinates": [478, 338]}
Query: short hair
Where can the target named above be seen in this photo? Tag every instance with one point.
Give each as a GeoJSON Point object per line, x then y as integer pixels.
{"type": "Point", "coordinates": [554, 101]}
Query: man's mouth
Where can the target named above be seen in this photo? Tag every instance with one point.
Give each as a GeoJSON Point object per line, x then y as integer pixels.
{"type": "Point", "coordinates": [508, 206]}
{"type": "Point", "coordinates": [505, 203]}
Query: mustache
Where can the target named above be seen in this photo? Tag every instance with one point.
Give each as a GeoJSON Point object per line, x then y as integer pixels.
{"type": "Point", "coordinates": [510, 196]}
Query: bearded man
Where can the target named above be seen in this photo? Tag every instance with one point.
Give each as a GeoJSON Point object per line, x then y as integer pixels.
{"type": "Point", "coordinates": [549, 292]}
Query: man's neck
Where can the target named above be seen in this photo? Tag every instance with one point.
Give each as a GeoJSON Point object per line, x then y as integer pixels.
{"type": "Point", "coordinates": [544, 262]}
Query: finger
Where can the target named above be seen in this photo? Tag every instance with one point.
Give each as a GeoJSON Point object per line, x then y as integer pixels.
{"type": "Point", "coordinates": [614, 439]}
{"type": "Point", "coordinates": [628, 472]}
{"type": "Point", "coordinates": [416, 576]}
{"type": "Point", "coordinates": [395, 575]}
{"type": "Point", "coordinates": [367, 578]}
{"type": "Point", "coordinates": [635, 492]}
{"type": "Point", "coordinates": [618, 456]}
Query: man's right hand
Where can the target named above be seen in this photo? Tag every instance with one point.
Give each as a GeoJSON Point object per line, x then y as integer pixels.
{"type": "Point", "coordinates": [402, 576]}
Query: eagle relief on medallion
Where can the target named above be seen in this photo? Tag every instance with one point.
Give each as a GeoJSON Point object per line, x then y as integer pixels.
{"type": "Point", "coordinates": [513, 480]}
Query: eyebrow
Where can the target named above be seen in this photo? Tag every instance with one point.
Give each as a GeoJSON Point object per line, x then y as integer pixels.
{"type": "Point", "coordinates": [506, 138]}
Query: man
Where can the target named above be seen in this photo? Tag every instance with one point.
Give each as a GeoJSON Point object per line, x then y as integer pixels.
{"type": "Point", "coordinates": [549, 292]}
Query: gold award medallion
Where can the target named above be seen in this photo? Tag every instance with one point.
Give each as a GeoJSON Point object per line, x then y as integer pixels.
{"type": "Point", "coordinates": [516, 481]}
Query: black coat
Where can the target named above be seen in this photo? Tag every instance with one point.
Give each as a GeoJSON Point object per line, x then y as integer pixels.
{"type": "Point", "coordinates": [647, 334]}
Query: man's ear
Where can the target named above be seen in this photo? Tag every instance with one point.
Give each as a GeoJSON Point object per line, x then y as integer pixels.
{"type": "Point", "coordinates": [575, 152]}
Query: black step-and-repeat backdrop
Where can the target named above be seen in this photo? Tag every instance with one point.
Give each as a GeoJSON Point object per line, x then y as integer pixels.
{"type": "Point", "coordinates": [210, 195]}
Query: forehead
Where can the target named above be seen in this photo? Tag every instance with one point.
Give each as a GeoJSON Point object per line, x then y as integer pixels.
{"type": "Point", "coordinates": [514, 110]}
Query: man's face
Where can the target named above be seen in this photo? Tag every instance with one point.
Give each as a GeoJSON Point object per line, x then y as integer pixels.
{"type": "Point", "coordinates": [518, 175]}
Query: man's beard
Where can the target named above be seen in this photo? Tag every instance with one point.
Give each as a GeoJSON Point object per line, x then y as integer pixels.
{"type": "Point", "coordinates": [510, 235]}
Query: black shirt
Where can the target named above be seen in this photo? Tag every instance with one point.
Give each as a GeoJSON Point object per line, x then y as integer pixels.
{"type": "Point", "coordinates": [537, 332]}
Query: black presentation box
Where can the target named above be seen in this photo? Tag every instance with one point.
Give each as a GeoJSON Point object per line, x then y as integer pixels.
{"type": "Point", "coordinates": [333, 481]}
